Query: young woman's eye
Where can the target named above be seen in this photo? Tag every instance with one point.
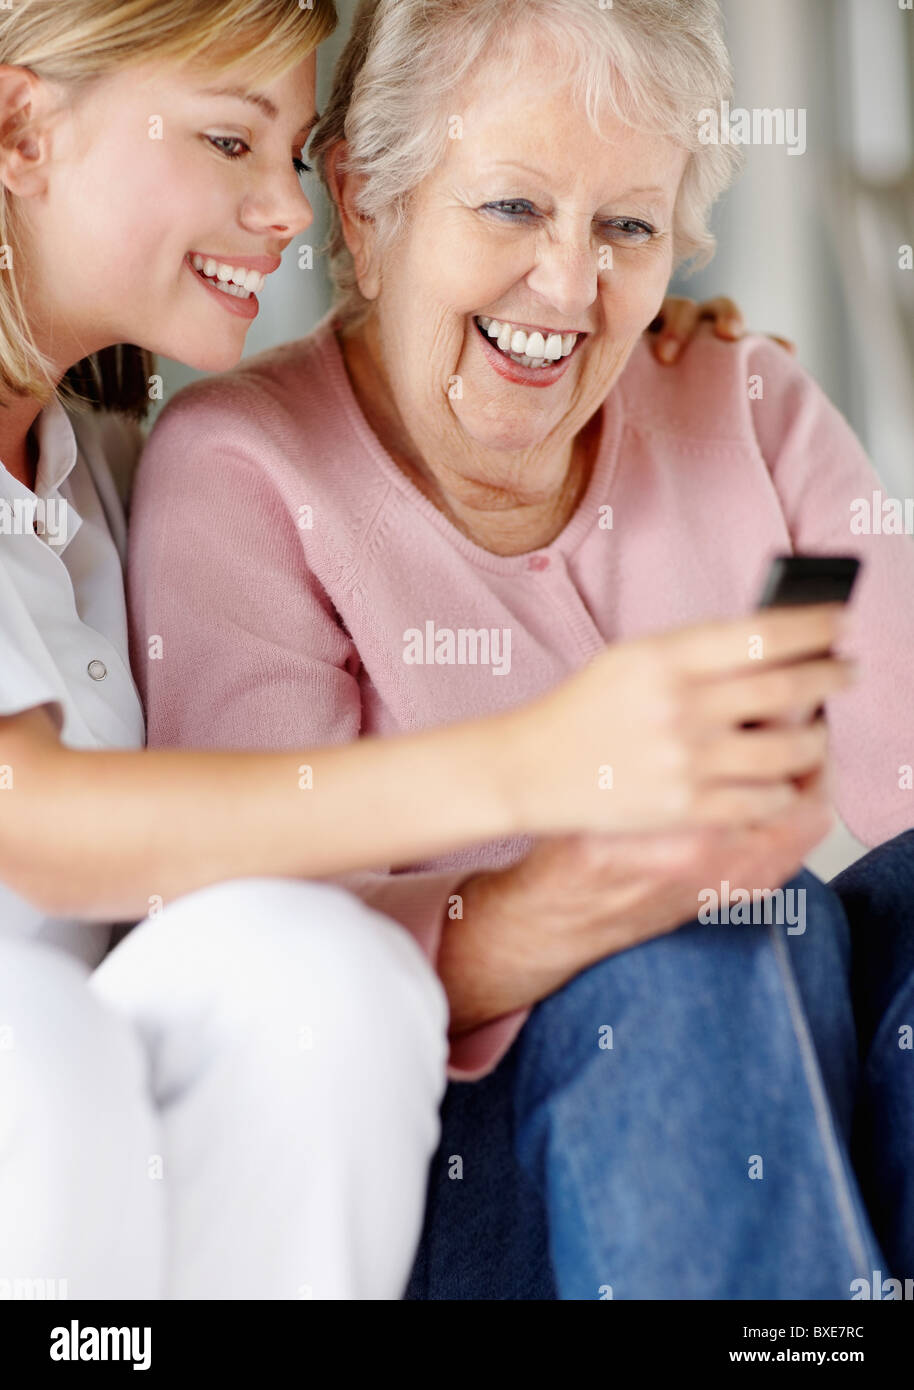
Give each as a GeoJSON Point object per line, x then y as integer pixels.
{"type": "Point", "coordinates": [301, 167]}
{"type": "Point", "coordinates": [511, 208]}
{"type": "Point", "coordinates": [631, 229]}
{"type": "Point", "coordinates": [222, 142]}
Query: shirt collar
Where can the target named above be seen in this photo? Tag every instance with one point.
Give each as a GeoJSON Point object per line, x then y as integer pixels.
{"type": "Point", "coordinates": [57, 448]}
{"type": "Point", "coordinates": [57, 456]}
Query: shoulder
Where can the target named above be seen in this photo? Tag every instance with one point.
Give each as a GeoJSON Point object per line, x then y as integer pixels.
{"type": "Point", "coordinates": [263, 397]}
{"type": "Point", "coordinates": [717, 390]}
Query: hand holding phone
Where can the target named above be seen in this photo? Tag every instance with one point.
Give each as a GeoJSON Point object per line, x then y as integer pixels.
{"type": "Point", "coordinates": [795, 580]}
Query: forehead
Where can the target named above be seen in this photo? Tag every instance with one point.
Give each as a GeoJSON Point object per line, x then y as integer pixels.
{"type": "Point", "coordinates": [170, 79]}
{"type": "Point", "coordinates": [539, 129]}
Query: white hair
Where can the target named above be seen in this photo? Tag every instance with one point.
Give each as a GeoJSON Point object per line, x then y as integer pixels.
{"type": "Point", "coordinates": [655, 63]}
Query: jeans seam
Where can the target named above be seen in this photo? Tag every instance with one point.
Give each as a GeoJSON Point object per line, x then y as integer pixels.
{"type": "Point", "coordinates": [821, 1108]}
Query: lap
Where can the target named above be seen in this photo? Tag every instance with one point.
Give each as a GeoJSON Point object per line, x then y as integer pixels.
{"type": "Point", "coordinates": [710, 1005]}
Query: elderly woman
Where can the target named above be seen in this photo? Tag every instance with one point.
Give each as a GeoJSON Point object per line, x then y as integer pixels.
{"type": "Point", "coordinates": [458, 488]}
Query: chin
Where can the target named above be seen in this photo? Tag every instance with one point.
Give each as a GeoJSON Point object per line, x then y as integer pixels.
{"type": "Point", "coordinates": [505, 437]}
{"type": "Point", "coordinates": [211, 357]}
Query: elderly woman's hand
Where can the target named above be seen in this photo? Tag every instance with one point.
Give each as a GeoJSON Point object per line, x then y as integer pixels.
{"type": "Point", "coordinates": [573, 900]}
{"type": "Point", "coordinates": [680, 319]}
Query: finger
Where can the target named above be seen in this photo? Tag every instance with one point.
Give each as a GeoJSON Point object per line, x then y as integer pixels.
{"type": "Point", "coordinates": [745, 804]}
{"type": "Point", "coordinates": [771, 694]}
{"type": "Point", "coordinates": [727, 320]}
{"type": "Point", "coordinates": [765, 637]}
{"type": "Point", "coordinates": [767, 755]}
{"type": "Point", "coordinates": [680, 322]}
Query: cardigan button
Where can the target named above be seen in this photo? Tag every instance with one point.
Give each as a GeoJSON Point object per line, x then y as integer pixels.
{"type": "Point", "coordinates": [97, 670]}
{"type": "Point", "coordinates": [538, 562]}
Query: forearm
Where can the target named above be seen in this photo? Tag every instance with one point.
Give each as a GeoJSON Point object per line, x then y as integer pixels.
{"type": "Point", "coordinates": [98, 835]}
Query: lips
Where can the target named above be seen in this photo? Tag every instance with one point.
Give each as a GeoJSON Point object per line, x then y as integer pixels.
{"type": "Point", "coordinates": [532, 347]}
{"type": "Point", "coordinates": [237, 299]}
{"type": "Point", "coordinates": [509, 369]}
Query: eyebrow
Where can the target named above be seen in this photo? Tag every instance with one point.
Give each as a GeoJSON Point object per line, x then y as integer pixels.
{"type": "Point", "coordinates": [537, 173]}
{"type": "Point", "coordinates": [269, 108]}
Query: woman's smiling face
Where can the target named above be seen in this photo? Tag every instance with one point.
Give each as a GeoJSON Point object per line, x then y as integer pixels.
{"type": "Point", "coordinates": [161, 185]}
{"type": "Point", "coordinates": [518, 226]}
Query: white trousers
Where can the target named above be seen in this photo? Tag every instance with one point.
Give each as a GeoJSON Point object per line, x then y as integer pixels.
{"type": "Point", "coordinates": [240, 1102]}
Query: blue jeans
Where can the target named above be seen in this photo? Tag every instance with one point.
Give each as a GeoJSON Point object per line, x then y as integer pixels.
{"type": "Point", "coordinates": [748, 1135]}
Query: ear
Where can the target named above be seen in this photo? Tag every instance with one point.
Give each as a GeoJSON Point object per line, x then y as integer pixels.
{"type": "Point", "coordinates": [358, 230]}
{"type": "Point", "coordinates": [25, 135]}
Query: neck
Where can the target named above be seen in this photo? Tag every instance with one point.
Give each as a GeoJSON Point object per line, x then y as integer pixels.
{"type": "Point", "coordinates": [62, 344]}
{"type": "Point", "coordinates": [502, 517]}
{"type": "Point", "coordinates": [18, 447]}
{"type": "Point", "coordinates": [496, 510]}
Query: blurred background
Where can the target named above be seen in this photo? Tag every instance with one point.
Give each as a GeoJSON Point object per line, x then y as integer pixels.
{"type": "Point", "coordinates": [810, 246]}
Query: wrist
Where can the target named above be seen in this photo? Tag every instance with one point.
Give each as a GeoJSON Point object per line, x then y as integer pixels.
{"type": "Point", "coordinates": [517, 763]}
{"type": "Point", "coordinates": [473, 964]}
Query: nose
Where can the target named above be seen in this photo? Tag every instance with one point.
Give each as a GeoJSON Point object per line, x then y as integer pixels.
{"type": "Point", "coordinates": [566, 273]}
{"type": "Point", "coordinates": [280, 208]}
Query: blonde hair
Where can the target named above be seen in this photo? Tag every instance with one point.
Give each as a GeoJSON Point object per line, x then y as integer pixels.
{"type": "Point", "coordinates": [77, 42]}
{"type": "Point", "coordinates": [655, 63]}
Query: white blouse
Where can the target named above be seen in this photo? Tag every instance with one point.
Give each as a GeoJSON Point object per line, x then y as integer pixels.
{"type": "Point", "coordinates": [63, 621]}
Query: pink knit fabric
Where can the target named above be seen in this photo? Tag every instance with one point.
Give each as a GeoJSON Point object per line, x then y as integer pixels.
{"type": "Point", "coordinates": [282, 634]}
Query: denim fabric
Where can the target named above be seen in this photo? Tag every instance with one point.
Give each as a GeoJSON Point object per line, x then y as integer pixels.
{"type": "Point", "coordinates": [878, 897]}
{"type": "Point", "coordinates": [708, 1153]}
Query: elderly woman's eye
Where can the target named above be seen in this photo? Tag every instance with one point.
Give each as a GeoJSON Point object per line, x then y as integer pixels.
{"type": "Point", "coordinates": [631, 229]}
{"type": "Point", "coordinates": [510, 207]}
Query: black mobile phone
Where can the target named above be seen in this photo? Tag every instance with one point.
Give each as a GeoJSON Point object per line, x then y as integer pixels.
{"type": "Point", "coordinates": [797, 579]}
{"type": "Point", "coordinates": [794, 580]}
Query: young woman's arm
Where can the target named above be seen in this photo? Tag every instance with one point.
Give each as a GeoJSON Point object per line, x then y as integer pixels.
{"type": "Point", "coordinates": [97, 835]}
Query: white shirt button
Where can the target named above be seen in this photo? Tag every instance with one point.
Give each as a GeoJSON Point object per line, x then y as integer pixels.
{"type": "Point", "coordinates": [97, 670]}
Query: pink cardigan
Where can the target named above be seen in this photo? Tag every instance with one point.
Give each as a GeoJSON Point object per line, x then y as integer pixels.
{"type": "Point", "coordinates": [301, 583]}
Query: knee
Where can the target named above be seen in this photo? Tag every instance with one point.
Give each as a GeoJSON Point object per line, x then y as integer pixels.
{"type": "Point", "coordinates": [307, 963]}
{"type": "Point", "coordinates": [703, 981]}
{"type": "Point", "coordinates": [60, 1048]}
{"type": "Point", "coordinates": [882, 881]}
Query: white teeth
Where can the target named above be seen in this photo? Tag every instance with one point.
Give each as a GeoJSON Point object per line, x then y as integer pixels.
{"type": "Point", "coordinates": [237, 291]}
{"type": "Point", "coordinates": [531, 349]}
{"type": "Point", "coordinates": [232, 279]}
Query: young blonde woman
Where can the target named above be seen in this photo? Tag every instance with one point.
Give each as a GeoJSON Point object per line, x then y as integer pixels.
{"type": "Point", "coordinates": [241, 1101]}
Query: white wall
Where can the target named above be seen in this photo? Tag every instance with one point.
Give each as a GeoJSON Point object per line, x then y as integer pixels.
{"type": "Point", "coordinates": [808, 245]}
